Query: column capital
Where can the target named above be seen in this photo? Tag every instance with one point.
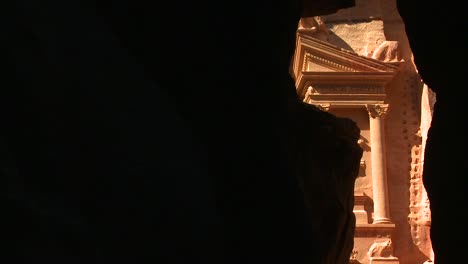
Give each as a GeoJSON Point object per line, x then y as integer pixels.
{"type": "Point", "coordinates": [377, 110]}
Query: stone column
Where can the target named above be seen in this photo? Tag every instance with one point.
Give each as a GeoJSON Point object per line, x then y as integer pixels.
{"type": "Point", "coordinates": [379, 170]}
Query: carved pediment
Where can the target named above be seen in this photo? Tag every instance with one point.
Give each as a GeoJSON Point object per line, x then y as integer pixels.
{"type": "Point", "coordinates": [316, 55]}
{"type": "Point", "coordinates": [337, 74]}
{"type": "Point", "coordinates": [313, 62]}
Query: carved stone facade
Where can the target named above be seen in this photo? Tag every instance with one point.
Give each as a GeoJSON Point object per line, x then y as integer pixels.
{"type": "Point", "coordinates": [357, 64]}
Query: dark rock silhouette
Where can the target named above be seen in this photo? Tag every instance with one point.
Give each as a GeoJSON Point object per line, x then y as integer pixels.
{"type": "Point", "coordinates": [167, 130]}
{"type": "Point", "coordinates": [327, 160]}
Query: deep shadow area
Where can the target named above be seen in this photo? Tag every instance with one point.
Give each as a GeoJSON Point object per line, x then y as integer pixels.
{"type": "Point", "coordinates": [154, 129]}
{"type": "Point", "coordinates": [146, 129]}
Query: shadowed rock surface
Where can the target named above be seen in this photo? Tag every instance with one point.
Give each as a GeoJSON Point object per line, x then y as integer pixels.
{"type": "Point", "coordinates": [166, 130]}
{"type": "Point", "coordinates": [70, 130]}
{"type": "Point", "coordinates": [327, 146]}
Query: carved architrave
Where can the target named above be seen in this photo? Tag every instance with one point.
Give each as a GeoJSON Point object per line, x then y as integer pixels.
{"type": "Point", "coordinates": [350, 89]}
{"type": "Point", "coordinates": [308, 95]}
{"type": "Point", "coordinates": [323, 107]}
{"type": "Point", "coordinates": [308, 99]}
{"type": "Point", "coordinates": [377, 110]}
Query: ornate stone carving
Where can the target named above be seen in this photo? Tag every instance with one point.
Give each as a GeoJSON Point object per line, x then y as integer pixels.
{"type": "Point", "coordinates": [323, 107]}
{"type": "Point", "coordinates": [351, 89]}
{"type": "Point", "coordinates": [377, 110]}
{"type": "Point", "coordinates": [360, 142]}
{"type": "Point", "coordinates": [382, 248]}
{"type": "Point", "coordinates": [363, 143]}
{"type": "Point", "coordinates": [308, 99]}
{"type": "Point", "coordinates": [325, 61]}
{"type": "Point", "coordinates": [388, 51]}
{"type": "Point", "coordinates": [308, 95]}
{"type": "Point", "coordinates": [362, 163]}
{"type": "Point", "coordinates": [312, 25]}
{"type": "Point", "coordinates": [312, 90]}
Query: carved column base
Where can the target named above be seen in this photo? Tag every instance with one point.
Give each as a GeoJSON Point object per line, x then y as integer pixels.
{"type": "Point", "coordinates": [391, 260]}
{"type": "Point", "coordinates": [359, 210]}
{"type": "Point", "coordinates": [382, 221]}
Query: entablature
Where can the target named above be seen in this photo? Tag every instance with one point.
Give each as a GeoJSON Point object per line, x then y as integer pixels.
{"type": "Point", "coordinates": [326, 74]}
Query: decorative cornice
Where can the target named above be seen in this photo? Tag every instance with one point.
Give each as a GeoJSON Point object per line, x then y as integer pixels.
{"type": "Point", "coordinates": [349, 77]}
{"type": "Point", "coordinates": [308, 99]}
{"type": "Point", "coordinates": [305, 62]}
{"type": "Point", "coordinates": [308, 95]}
{"type": "Point", "coordinates": [338, 76]}
{"type": "Point", "coordinates": [349, 89]}
{"type": "Point", "coordinates": [323, 107]}
{"type": "Point", "coordinates": [342, 79]}
{"type": "Point", "coordinates": [323, 49]}
{"type": "Point", "coordinates": [325, 62]}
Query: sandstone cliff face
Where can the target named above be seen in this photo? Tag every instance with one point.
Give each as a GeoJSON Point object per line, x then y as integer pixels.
{"type": "Point", "coordinates": [326, 157]}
